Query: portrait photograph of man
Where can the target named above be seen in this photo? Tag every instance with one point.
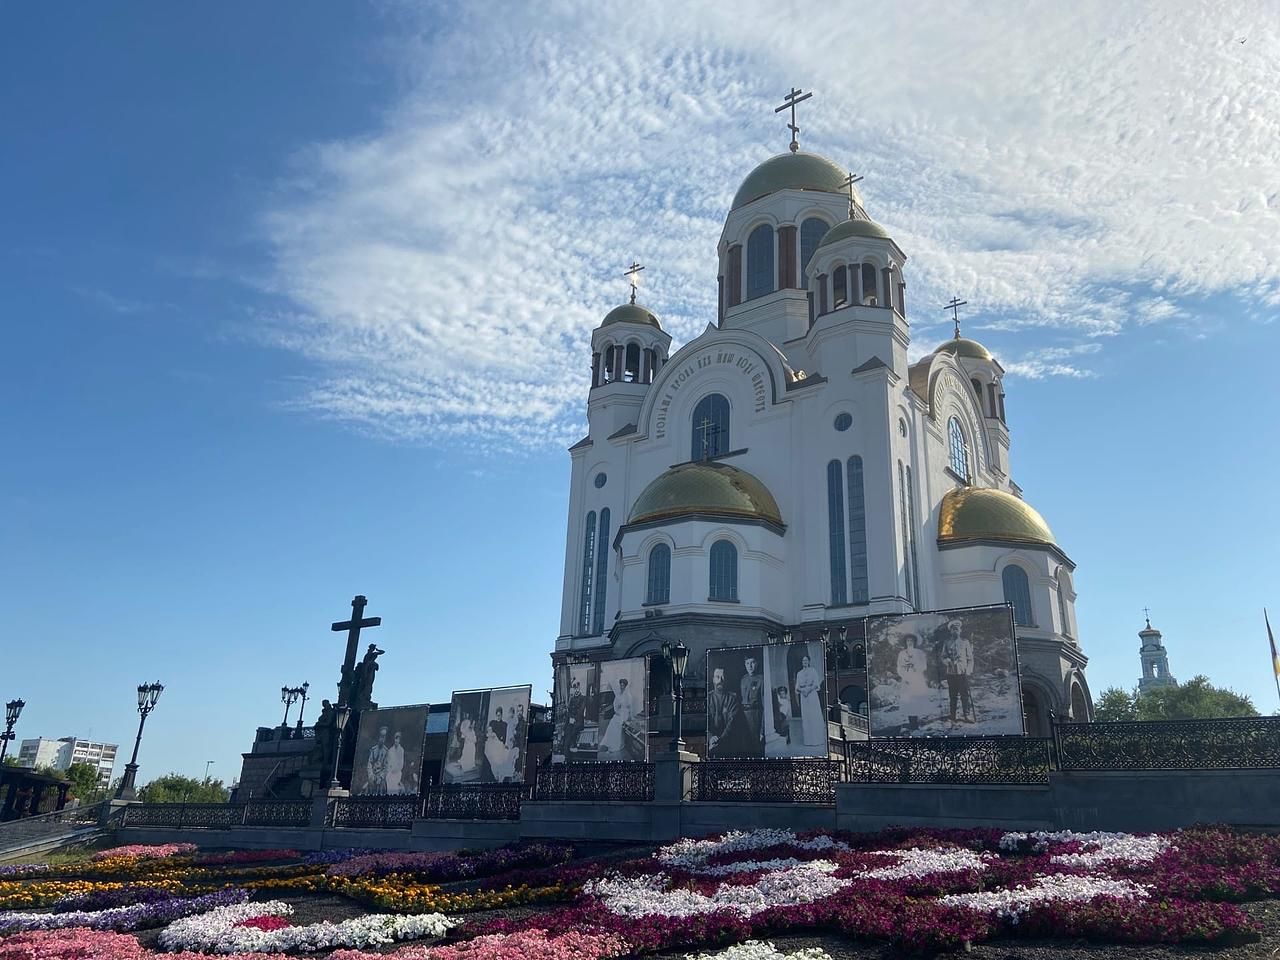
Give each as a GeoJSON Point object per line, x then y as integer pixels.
{"type": "Point", "coordinates": [388, 758]}
{"type": "Point", "coordinates": [735, 703]}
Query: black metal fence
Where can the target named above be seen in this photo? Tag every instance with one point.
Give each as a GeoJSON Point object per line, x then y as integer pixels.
{"type": "Point", "coordinates": [497, 801]}
{"type": "Point", "coordinates": [1010, 759]}
{"type": "Point", "coordinates": [1236, 743]}
{"type": "Point", "coordinates": [218, 816]}
{"type": "Point", "coordinates": [594, 781]}
{"type": "Point", "coordinates": [767, 781]}
{"type": "Point", "coordinates": [373, 813]}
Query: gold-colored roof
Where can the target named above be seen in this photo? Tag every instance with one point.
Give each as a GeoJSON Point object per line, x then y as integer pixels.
{"type": "Point", "coordinates": [974, 513]}
{"type": "Point", "coordinates": [630, 313]}
{"type": "Point", "coordinates": [707, 487]}
{"type": "Point", "coordinates": [964, 347]}
{"type": "Point", "coordinates": [792, 171]}
{"type": "Point", "coordinates": [854, 227]}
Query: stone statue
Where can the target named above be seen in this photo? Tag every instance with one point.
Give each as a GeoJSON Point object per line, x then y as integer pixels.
{"type": "Point", "coordinates": [362, 681]}
{"type": "Point", "coordinates": [326, 747]}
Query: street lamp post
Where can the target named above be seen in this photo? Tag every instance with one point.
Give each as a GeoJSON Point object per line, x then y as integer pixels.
{"type": "Point", "coordinates": [207, 765]}
{"type": "Point", "coordinates": [679, 658]}
{"type": "Point", "coordinates": [288, 695]}
{"type": "Point", "coordinates": [340, 714]}
{"type": "Point", "coordinates": [302, 691]}
{"type": "Point", "coordinates": [12, 710]}
{"type": "Point", "coordinates": [148, 694]}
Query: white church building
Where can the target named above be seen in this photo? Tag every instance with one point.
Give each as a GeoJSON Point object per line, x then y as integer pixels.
{"type": "Point", "coordinates": [789, 470]}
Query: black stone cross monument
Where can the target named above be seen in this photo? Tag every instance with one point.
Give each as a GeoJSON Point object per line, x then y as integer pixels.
{"type": "Point", "coordinates": [353, 627]}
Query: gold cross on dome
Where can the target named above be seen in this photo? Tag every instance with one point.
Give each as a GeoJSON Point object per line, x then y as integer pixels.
{"type": "Point", "coordinates": [954, 306]}
{"type": "Point", "coordinates": [789, 102]}
{"type": "Point", "coordinates": [632, 273]}
{"type": "Point", "coordinates": [849, 181]}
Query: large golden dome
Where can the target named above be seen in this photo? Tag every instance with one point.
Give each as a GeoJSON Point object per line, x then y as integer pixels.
{"type": "Point", "coordinates": [964, 347]}
{"type": "Point", "coordinates": [630, 313]}
{"type": "Point", "coordinates": [792, 171]}
{"type": "Point", "coordinates": [974, 513]}
{"type": "Point", "coordinates": [710, 488]}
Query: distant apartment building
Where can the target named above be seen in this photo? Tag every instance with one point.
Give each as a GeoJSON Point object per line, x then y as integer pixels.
{"type": "Point", "coordinates": [63, 752]}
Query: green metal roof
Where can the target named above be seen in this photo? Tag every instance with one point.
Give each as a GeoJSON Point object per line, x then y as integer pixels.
{"type": "Point", "coordinates": [791, 171]}
{"type": "Point", "coordinates": [630, 313]}
{"type": "Point", "coordinates": [853, 228]}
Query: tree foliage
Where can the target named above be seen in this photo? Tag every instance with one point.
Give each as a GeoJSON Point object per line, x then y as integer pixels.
{"type": "Point", "coordinates": [175, 788]}
{"type": "Point", "coordinates": [1197, 699]}
{"type": "Point", "coordinates": [84, 781]}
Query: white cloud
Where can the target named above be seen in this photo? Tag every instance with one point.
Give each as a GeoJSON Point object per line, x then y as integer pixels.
{"type": "Point", "coordinates": [1070, 174]}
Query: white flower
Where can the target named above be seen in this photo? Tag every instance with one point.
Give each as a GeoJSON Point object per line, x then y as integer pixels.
{"type": "Point", "coordinates": [760, 950]}
{"type": "Point", "coordinates": [216, 931]}
{"type": "Point", "coordinates": [919, 862]}
{"type": "Point", "coordinates": [649, 895]}
{"type": "Point", "coordinates": [693, 854]}
{"type": "Point", "coordinates": [1099, 846]}
{"type": "Point", "coordinates": [1012, 904]}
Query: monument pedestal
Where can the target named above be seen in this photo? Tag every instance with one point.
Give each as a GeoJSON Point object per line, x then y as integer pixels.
{"type": "Point", "coordinates": [320, 805]}
{"type": "Point", "coordinates": [672, 786]}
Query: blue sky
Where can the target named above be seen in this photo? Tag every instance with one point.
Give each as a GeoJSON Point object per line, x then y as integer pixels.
{"type": "Point", "coordinates": [296, 301]}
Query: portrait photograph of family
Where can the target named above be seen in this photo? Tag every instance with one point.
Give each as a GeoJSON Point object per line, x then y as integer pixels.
{"type": "Point", "coordinates": [944, 673]}
{"type": "Point", "coordinates": [388, 759]}
{"type": "Point", "coordinates": [602, 711]}
{"type": "Point", "coordinates": [488, 735]}
{"type": "Point", "coordinates": [767, 701]}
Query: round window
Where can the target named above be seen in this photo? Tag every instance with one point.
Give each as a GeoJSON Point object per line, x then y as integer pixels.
{"type": "Point", "coordinates": [601, 480]}
{"type": "Point", "coordinates": [843, 421]}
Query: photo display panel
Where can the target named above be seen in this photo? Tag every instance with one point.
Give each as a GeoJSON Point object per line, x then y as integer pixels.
{"type": "Point", "coordinates": [949, 673]}
{"type": "Point", "coordinates": [602, 711]}
{"type": "Point", "coordinates": [767, 700]}
{"type": "Point", "coordinates": [488, 735]}
{"type": "Point", "coordinates": [388, 760]}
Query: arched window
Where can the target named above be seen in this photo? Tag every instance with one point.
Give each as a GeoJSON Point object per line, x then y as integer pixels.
{"type": "Point", "coordinates": [1017, 591]}
{"type": "Point", "coordinates": [760, 261]}
{"type": "Point", "coordinates": [588, 569]}
{"type": "Point", "coordinates": [659, 589]}
{"type": "Point", "coordinates": [1063, 584]}
{"type": "Point", "coordinates": [857, 533]}
{"type": "Point", "coordinates": [710, 428]}
{"type": "Point", "coordinates": [959, 449]}
{"type": "Point", "coordinates": [906, 537]}
{"type": "Point", "coordinates": [811, 233]}
{"type": "Point", "coordinates": [911, 518]}
{"type": "Point", "coordinates": [632, 374]}
{"type": "Point", "coordinates": [835, 520]}
{"type": "Point", "coordinates": [610, 358]}
{"type": "Point", "coordinates": [869, 285]}
{"type": "Point", "coordinates": [602, 568]}
{"type": "Point", "coordinates": [977, 388]}
{"type": "Point", "coordinates": [840, 288]}
{"type": "Point", "coordinates": [1033, 716]}
{"type": "Point", "coordinates": [724, 571]}
{"type": "Point", "coordinates": [1079, 706]}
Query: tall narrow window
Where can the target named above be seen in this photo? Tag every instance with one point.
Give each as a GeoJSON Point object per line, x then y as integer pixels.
{"type": "Point", "coordinates": [724, 571]}
{"type": "Point", "coordinates": [733, 277]}
{"type": "Point", "coordinates": [760, 261]}
{"type": "Point", "coordinates": [839, 288]}
{"type": "Point", "coordinates": [906, 536]}
{"type": "Point", "coordinates": [588, 569]}
{"type": "Point", "coordinates": [659, 588]}
{"type": "Point", "coordinates": [1063, 582]}
{"type": "Point", "coordinates": [1017, 591]}
{"type": "Point", "coordinates": [710, 428]}
{"type": "Point", "coordinates": [959, 449]}
{"type": "Point", "coordinates": [869, 285]}
{"type": "Point", "coordinates": [632, 374]}
{"type": "Point", "coordinates": [911, 518]}
{"type": "Point", "coordinates": [811, 234]}
{"type": "Point", "coordinates": [835, 519]}
{"type": "Point", "coordinates": [857, 533]}
{"type": "Point", "coordinates": [601, 590]}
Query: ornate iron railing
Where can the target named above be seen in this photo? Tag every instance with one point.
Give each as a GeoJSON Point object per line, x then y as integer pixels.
{"type": "Point", "coordinates": [767, 781]}
{"type": "Point", "coordinates": [277, 813]}
{"type": "Point", "coordinates": [1244, 742]}
{"type": "Point", "coordinates": [1011, 759]}
{"type": "Point", "coordinates": [595, 781]}
{"type": "Point", "coordinates": [185, 816]}
{"type": "Point", "coordinates": [496, 801]}
{"type": "Point", "coordinates": [376, 813]}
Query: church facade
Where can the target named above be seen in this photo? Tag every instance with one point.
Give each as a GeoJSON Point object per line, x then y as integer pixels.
{"type": "Point", "coordinates": [789, 471]}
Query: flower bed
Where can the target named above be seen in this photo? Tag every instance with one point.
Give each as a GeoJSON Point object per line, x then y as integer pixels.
{"type": "Point", "coordinates": [136, 917]}
{"type": "Point", "coordinates": [141, 851]}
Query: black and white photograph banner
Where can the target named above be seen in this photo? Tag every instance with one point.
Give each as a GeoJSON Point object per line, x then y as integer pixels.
{"type": "Point", "coordinates": [488, 736]}
{"type": "Point", "coordinates": [602, 711]}
{"type": "Point", "coordinates": [767, 701]}
{"type": "Point", "coordinates": [945, 673]}
{"type": "Point", "coordinates": [388, 759]}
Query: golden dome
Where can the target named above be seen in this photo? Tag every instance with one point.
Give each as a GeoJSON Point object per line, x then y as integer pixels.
{"type": "Point", "coordinates": [709, 487]}
{"type": "Point", "coordinates": [630, 313]}
{"type": "Point", "coordinates": [792, 171]}
{"type": "Point", "coordinates": [853, 227]}
{"type": "Point", "coordinates": [974, 513]}
{"type": "Point", "coordinates": [964, 347]}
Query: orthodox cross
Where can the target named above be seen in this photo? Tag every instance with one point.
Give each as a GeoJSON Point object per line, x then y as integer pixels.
{"type": "Point", "coordinates": [849, 181]}
{"type": "Point", "coordinates": [789, 101]}
{"type": "Point", "coordinates": [1147, 613]}
{"type": "Point", "coordinates": [709, 430]}
{"type": "Point", "coordinates": [632, 273]}
{"type": "Point", "coordinates": [954, 306]}
{"type": "Point", "coordinates": [353, 627]}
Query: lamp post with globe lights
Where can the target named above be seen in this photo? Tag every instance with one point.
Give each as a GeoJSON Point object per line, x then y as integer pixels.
{"type": "Point", "coordinates": [12, 710]}
{"type": "Point", "coordinates": [678, 655]}
{"type": "Point", "coordinates": [148, 694]}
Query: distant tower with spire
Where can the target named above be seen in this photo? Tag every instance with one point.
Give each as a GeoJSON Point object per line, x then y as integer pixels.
{"type": "Point", "coordinates": [1155, 659]}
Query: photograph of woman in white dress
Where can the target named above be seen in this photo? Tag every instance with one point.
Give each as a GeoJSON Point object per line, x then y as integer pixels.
{"type": "Point", "coordinates": [913, 695]}
{"type": "Point", "coordinates": [611, 746]}
{"type": "Point", "coordinates": [389, 744]}
{"type": "Point", "coordinates": [395, 766]}
{"type": "Point", "coordinates": [500, 757]}
{"type": "Point", "coordinates": [813, 720]}
{"type": "Point", "coordinates": [623, 710]}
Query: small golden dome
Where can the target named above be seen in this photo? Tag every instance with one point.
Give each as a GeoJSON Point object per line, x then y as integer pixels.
{"type": "Point", "coordinates": [853, 227]}
{"type": "Point", "coordinates": [709, 487]}
{"type": "Point", "coordinates": [964, 347]}
{"type": "Point", "coordinates": [630, 313]}
{"type": "Point", "coordinates": [974, 513]}
{"type": "Point", "coordinates": [792, 171]}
